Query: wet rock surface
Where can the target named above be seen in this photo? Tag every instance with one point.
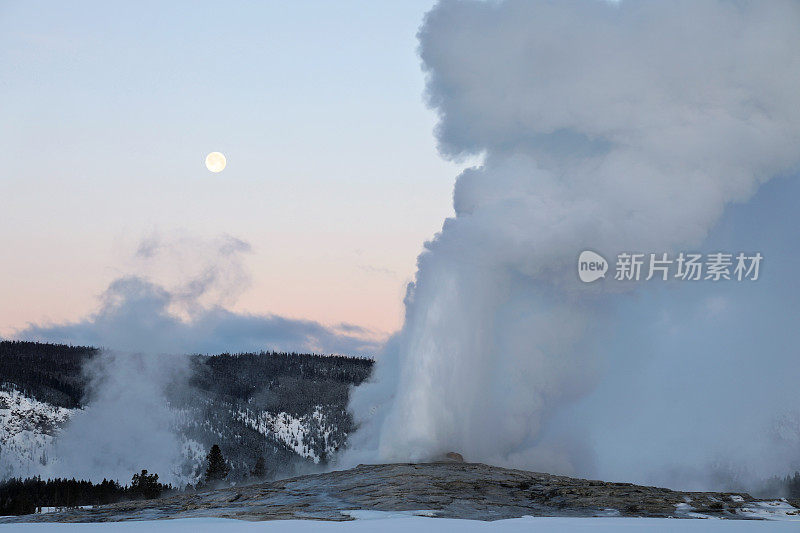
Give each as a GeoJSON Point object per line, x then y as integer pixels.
{"type": "Point", "coordinates": [443, 489]}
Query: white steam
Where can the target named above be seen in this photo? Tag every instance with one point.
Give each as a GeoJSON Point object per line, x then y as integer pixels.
{"type": "Point", "coordinates": [127, 425]}
{"type": "Point", "coordinates": [146, 324]}
{"type": "Point", "coordinates": [603, 126]}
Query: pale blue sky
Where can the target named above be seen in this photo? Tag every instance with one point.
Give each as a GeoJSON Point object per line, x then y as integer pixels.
{"type": "Point", "coordinates": [109, 109]}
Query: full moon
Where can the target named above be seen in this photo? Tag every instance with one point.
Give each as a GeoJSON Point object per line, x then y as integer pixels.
{"type": "Point", "coordinates": [215, 162]}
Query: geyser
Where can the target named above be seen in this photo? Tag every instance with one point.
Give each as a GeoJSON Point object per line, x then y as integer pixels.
{"type": "Point", "coordinates": [603, 126]}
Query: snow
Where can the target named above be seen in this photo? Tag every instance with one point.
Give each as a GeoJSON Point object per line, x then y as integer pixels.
{"type": "Point", "coordinates": [46, 510]}
{"type": "Point", "coordinates": [189, 470]}
{"type": "Point", "coordinates": [289, 429]}
{"type": "Point", "coordinates": [391, 522]}
{"type": "Point", "coordinates": [684, 509]}
{"type": "Point", "coordinates": [27, 429]}
{"type": "Point", "coordinates": [774, 510]}
{"type": "Point", "coordinates": [762, 510]}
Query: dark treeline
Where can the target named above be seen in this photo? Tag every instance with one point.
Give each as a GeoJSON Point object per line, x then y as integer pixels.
{"type": "Point", "coordinates": [26, 496]}
{"type": "Point", "coordinates": [48, 372]}
{"type": "Point", "coordinates": [786, 487]}
{"type": "Point", "coordinates": [290, 382]}
{"type": "Point", "coordinates": [52, 373]}
{"type": "Point", "coordinates": [240, 373]}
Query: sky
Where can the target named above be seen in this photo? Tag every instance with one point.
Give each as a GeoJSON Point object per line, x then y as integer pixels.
{"type": "Point", "coordinates": [109, 110]}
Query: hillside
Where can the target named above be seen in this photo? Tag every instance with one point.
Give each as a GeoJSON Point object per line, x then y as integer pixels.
{"type": "Point", "coordinates": [287, 408]}
{"type": "Point", "coordinates": [50, 373]}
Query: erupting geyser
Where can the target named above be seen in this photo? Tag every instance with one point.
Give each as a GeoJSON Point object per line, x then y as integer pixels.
{"type": "Point", "coordinates": [609, 126]}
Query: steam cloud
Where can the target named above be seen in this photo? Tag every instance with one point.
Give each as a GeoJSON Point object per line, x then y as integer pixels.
{"type": "Point", "coordinates": [127, 424]}
{"type": "Point", "coordinates": [613, 127]}
{"type": "Point", "coordinates": [147, 328]}
{"type": "Point", "coordinates": [186, 311]}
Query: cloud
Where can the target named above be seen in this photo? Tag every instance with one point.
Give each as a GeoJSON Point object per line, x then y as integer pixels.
{"type": "Point", "coordinates": [135, 316]}
{"type": "Point", "coordinates": [377, 270]}
{"type": "Point", "coordinates": [138, 314]}
{"type": "Point", "coordinates": [145, 327]}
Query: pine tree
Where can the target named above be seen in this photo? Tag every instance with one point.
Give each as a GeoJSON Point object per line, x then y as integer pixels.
{"type": "Point", "coordinates": [260, 469]}
{"type": "Point", "coordinates": [217, 467]}
{"type": "Point", "coordinates": [146, 485]}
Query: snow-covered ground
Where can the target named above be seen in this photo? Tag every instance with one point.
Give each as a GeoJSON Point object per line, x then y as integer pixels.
{"type": "Point", "coordinates": [402, 522]}
{"type": "Point", "coordinates": [774, 510]}
{"type": "Point", "coordinates": [46, 510]}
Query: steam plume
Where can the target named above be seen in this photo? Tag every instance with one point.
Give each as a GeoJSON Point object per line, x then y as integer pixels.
{"type": "Point", "coordinates": [603, 126]}
{"type": "Point", "coordinates": [146, 328]}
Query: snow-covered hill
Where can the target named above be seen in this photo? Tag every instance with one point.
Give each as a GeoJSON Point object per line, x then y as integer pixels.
{"type": "Point", "coordinates": [306, 435]}
{"type": "Point", "coordinates": [27, 430]}
{"type": "Point", "coordinates": [287, 411]}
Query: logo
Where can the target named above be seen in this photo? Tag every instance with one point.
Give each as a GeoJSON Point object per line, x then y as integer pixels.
{"type": "Point", "coordinates": [684, 266]}
{"type": "Point", "coordinates": [591, 266]}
